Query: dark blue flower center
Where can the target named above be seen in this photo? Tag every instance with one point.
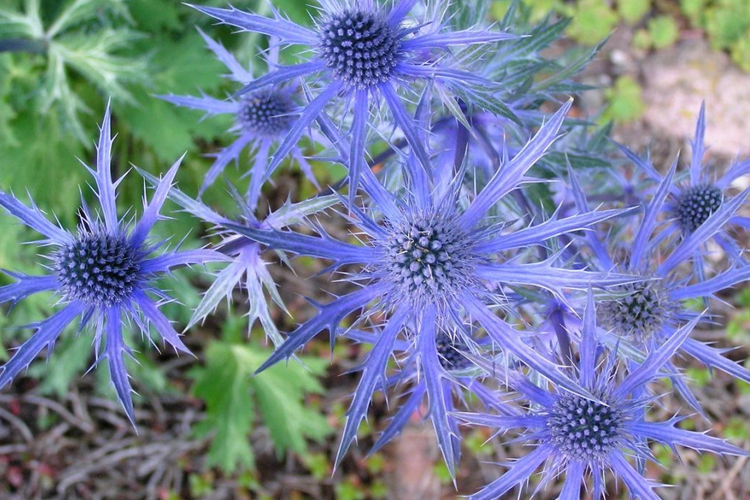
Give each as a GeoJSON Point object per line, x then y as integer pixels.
{"type": "Point", "coordinates": [429, 260]}
{"type": "Point", "coordinates": [696, 204]}
{"type": "Point", "coordinates": [267, 113]}
{"type": "Point", "coordinates": [449, 352]}
{"type": "Point", "coordinates": [359, 48]}
{"type": "Point", "coordinates": [98, 268]}
{"type": "Point", "coordinates": [582, 429]}
{"type": "Point", "coordinates": [637, 310]}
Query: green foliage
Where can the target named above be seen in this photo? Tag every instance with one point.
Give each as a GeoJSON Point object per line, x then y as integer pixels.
{"type": "Point", "coordinates": [725, 22]}
{"type": "Point", "coordinates": [235, 398]}
{"type": "Point", "coordinates": [632, 11]}
{"type": "Point", "coordinates": [51, 100]}
{"type": "Point", "coordinates": [624, 101]}
{"type": "Point", "coordinates": [593, 20]}
{"type": "Point", "coordinates": [727, 25]}
{"type": "Point", "coordinates": [80, 40]}
{"type": "Point", "coordinates": [737, 429]}
{"type": "Point", "coordinates": [349, 490]}
{"type": "Point", "coordinates": [662, 31]}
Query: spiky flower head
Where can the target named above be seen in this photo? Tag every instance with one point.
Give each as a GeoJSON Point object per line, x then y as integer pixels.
{"type": "Point", "coordinates": [360, 48]}
{"type": "Point", "coordinates": [700, 204]}
{"type": "Point", "coordinates": [696, 204]}
{"type": "Point", "coordinates": [266, 112]}
{"type": "Point", "coordinates": [639, 317]}
{"type": "Point", "coordinates": [247, 270]}
{"type": "Point", "coordinates": [427, 263]}
{"type": "Point", "coordinates": [262, 118]}
{"type": "Point", "coordinates": [585, 429]}
{"type": "Point", "coordinates": [361, 53]}
{"type": "Point", "coordinates": [427, 258]}
{"type": "Point", "coordinates": [578, 435]}
{"type": "Point", "coordinates": [103, 273]}
{"type": "Point", "coordinates": [452, 351]}
{"type": "Point", "coordinates": [638, 310]}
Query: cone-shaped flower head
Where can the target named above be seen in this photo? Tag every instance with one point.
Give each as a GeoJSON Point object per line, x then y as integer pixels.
{"type": "Point", "coordinates": [575, 436]}
{"type": "Point", "coordinates": [361, 53]}
{"type": "Point", "coordinates": [103, 273]}
{"type": "Point", "coordinates": [428, 263]}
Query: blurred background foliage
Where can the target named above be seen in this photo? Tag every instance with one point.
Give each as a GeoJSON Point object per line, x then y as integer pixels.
{"type": "Point", "coordinates": [726, 23]}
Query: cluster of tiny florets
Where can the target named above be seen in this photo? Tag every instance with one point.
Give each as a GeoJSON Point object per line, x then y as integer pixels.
{"type": "Point", "coordinates": [266, 113]}
{"type": "Point", "coordinates": [582, 429]}
{"type": "Point", "coordinates": [696, 204]}
{"type": "Point", "coordinates": [359, 48]}
{"type": "Point", "coordinates": [450, 353]}
{"type": "Point", "coordinates": [640, 309]}
{"type": "Point", "coordinates": [428, 259]}
{"type": "Point", "coordinates": [98, 268]}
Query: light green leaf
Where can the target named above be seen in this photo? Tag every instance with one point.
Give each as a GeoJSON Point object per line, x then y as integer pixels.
{"type": "Point", "coordinates": [227, 386]}
{"type": "Point", "coordinates": [633, 11]}
{"type": "Point", "coordinates": [664, 31]}
{"type": "Point", "coordinates": [224, 384]}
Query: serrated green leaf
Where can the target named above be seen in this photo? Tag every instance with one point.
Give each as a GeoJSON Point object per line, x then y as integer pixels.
{"type": "Point", "coordinates": [93, 56]}
{"type": "Point", "coordinates": [154, 17]}
{"type": "Point", "coordinates": [280, 391]}
{"type": "Point", "coordinates": [178, 67]}
{"type": "Point", "coordinates": [227, 387]}
{"type": "Point", "coordinates": [79, 11]}
{"type": "Point", "coordinates": [28, 23]}
{"type": "Point", "coordinates": [224, 385]}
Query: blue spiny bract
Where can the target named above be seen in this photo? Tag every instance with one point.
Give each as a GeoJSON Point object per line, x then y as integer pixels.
{"type": "Point", "coordinates": [103, 274]}
{"type": "Point", "coordinates": [361, 54]}
{"type": "Point", "coordinates": [427, 264]}
{"type": "Point", "coordinates": [578, 436]}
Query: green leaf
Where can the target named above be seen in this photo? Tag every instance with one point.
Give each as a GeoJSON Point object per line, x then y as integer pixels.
{"type": "Point", "coordinates": [69, 360]}
{"type": "Point", "coordinates": [664, 31]}
{"type": "Point", "coordinates": [227, 386]}
{"type": "Point", "coordinates": [633, 11]}
{"type": "Point", "coordinates": [92, 55]}
{"type": "Point", "coordinates": [224, 385]}
{"type": "Point", "coordinates": [592, 21]}
{"type": "Point", "coordinates": [154, 17]}
{"type": "Point", "coordinates": [625, 102]}
{"type": "Point", "coordinates": [280, 392]}
{"type": "Point", "coordinates": [79, 11]}
{"type": "Point", "coordinates": [183, 66]}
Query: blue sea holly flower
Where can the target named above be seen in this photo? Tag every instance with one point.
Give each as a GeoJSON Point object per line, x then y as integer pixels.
{"type": "Point", "coordinates": [247, 269]}
{"type": "Point", "coordinates": [638, 317]}
{"type": "Point", "coordinates": [441, 374]}
{"type": "Point", "coordinates": [647, 312]}
{"type": "Point", "coordinates": [262, 119]}
{"type": "Point", "coordinates": [428, 263]}
{"type": "Point", "coordinates": [364, 52]}
{"type": "Point", "coordinates": [103, 273]}
{"type": "Point", "coordinates": [690, 205]}
{"type": "Point", "coordinates": [574, 437]}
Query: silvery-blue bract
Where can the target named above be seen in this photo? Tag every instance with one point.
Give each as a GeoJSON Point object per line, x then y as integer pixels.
{"type": "Point", "coordinates": [361, 53]}
{"type": "Point", "coordinates": [576, 436]}
{"type": "Point", "coordinates": [432, 266]}
{"type": "Point", "coordinates": [103, 273]}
